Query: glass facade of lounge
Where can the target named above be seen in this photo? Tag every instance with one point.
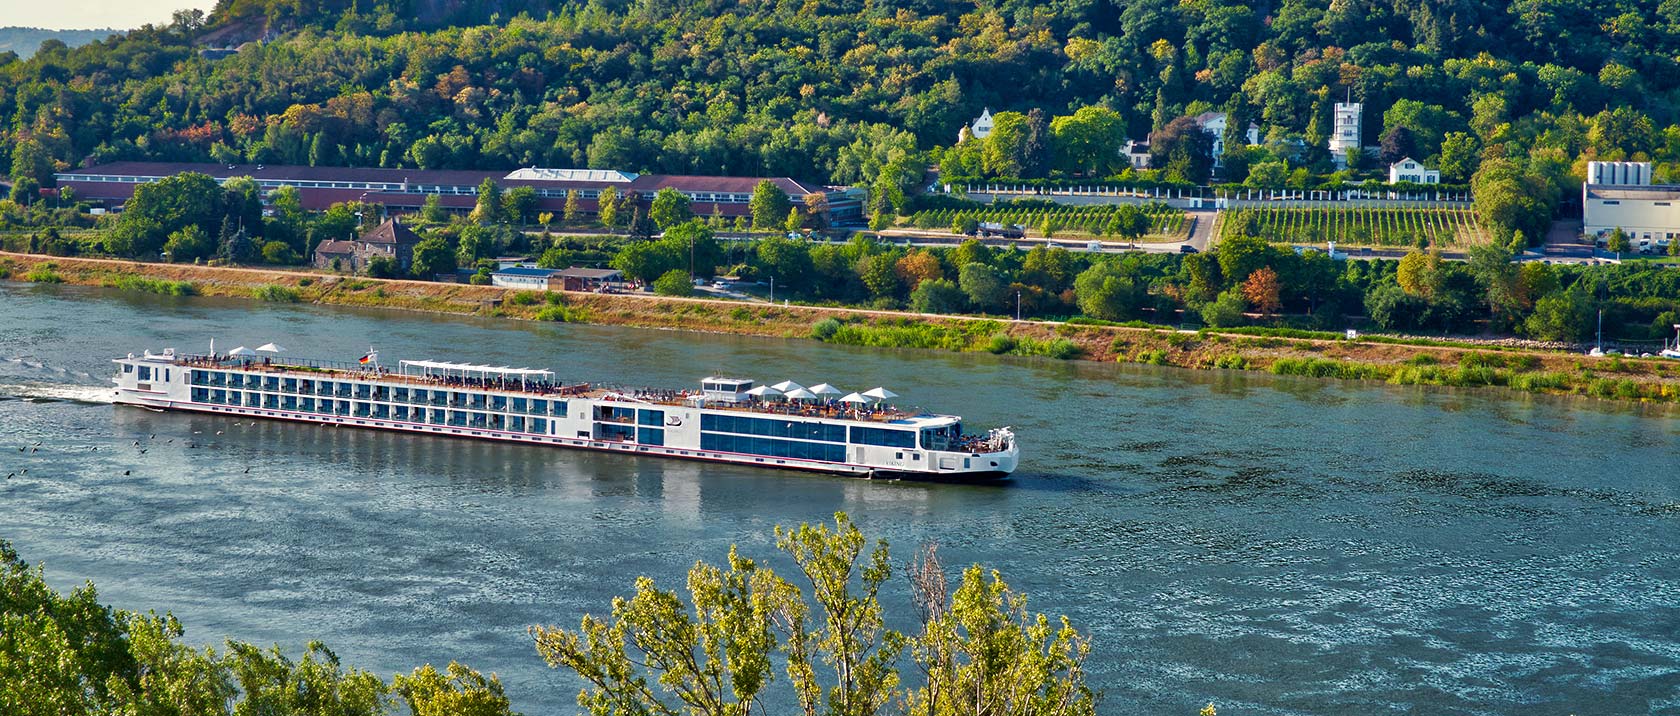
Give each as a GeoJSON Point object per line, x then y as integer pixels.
{"type": "Point", "coordinates": [799, 439]}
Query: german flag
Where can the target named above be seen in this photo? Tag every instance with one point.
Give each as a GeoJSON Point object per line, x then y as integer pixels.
{"type": "Point", "coordinates": [366, 359]}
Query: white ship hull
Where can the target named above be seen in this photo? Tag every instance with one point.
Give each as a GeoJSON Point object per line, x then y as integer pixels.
{"type": "Point", "coordinates": [617, 423]}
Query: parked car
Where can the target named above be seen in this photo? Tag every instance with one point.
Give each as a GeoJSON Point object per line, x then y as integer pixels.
{"type": "Point", "coordinates": [1187, 249]}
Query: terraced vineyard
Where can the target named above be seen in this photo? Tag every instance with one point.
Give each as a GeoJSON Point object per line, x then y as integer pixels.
{"type": "Point", "coordinates": [1357, 226]}
{"type": "Point", "coordinates": [1165, 223]}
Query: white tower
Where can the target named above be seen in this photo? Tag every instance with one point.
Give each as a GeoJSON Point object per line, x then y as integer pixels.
{"type": "Point", "coordinates": [1347, 131]}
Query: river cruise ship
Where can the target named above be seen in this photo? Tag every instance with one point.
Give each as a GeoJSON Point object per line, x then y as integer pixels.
{"type": "Point", "coordinates": [725, 420]}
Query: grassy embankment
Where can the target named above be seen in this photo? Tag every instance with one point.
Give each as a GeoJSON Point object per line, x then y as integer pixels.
{"type": "Point", "coordinates": [1286, 352]}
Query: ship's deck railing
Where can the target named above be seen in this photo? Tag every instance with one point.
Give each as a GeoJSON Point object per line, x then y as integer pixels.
{"type": "Point", "coordinates": [832, 409]}
{"type": "Point", "coordinates": [345, 370]}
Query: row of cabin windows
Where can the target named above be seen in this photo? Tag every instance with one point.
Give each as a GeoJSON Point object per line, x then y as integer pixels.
{"type": "Point", "coordinates": [771, 447]}
{"type": "Point", "coordinates": [378, 411]}
{"type": "Point", "coordinates": [777, 428]}
{"type": "Point", "coordinates": [366, 391]}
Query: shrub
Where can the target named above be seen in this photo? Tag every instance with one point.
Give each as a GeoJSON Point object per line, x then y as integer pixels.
{"type": "Point", "coordinates": [742, 314]}
{"type": "Point", "coordinates": [1151, 357]}
{"type": "Point", "coordinates": [306, 281]}
{"type": "Point", "coordinates": [1231, 361]}
{"type": "Point", "coordinates": [275, 294]}
{"type": "Point", "coordinates": [43, 273]}
{"type": "Point", "coordinates": [1540, 382]}
{"type": "Point", "coordinates": [1000, 343]}
{"type": "Point", "coordinates": [825, 329]}
{"type": "Point", "coordinates": [563, 314]}
{"type": "Point", "coordinates": [278, 252]}
{"type": "Point", "coordinates": [524, 298]}
{"type": "Point", "coordinates": [1480, 360]}
{"type": "Point", "coordinates": [152, 285]}
{"type": "Point", "coordinates": [674, 283]}
{"type": "Point", "coordinates": [1226, 311]}
{"type": "Point", "coordinates": [1063, 349]}
{"type": "Point", "coordinates": [1326, 368]}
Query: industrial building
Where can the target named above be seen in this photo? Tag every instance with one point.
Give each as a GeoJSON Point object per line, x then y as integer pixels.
{"type": "Point", "coordinates": [1621, 195]}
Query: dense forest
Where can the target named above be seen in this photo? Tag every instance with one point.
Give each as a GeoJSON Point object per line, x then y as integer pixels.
{"type": "Point", "coordinates": [844, 90]}
{"type": "Point", "coordinates": [1507, 100]}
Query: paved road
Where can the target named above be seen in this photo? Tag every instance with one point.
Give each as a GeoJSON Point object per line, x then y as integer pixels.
{"type": "Point", "coordinates": [913, 237]}
{"type": "Point", "coordinates": [1201, 231]}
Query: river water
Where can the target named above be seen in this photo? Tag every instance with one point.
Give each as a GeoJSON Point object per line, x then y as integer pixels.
{"type": "Point", "coordinates": [1274, 545]}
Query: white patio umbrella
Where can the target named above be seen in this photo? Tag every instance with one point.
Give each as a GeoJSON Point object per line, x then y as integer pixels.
{"type": "Point", "coordinates": [763, 391]}
{"type": "Point", "coordinates": [825, 389]}
{"type": "Point", "coordinates": [854, 398]}
{"type": "Point", "coordinates": [242, 351]}
{"type": "Point", "coordinates": [800, 394]}
{"type": "Point", "coordinates": [879, 394]}
{"type": "Point", "coordinates": [271, 348]}
{"type": "Point", "coordinates": [788, 386]}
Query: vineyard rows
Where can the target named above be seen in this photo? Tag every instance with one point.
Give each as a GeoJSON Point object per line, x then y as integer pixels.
{"type": "Point", "coordinates": [1164, 221]}
{"type": "Point", "coordinates": [1357, 226]}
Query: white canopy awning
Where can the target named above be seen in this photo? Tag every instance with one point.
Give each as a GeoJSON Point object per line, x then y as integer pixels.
{"type": "Point", "coordinates": [854, 398]}
{"type": "Point", "coordinates": [763, 391]}
{"type": "Point", "coordinates": [428, 367]}
{"type": "Point", "coordinates": [788, 386]}
{"type": "Point", "coordinates": [801, 394]}
{"type": "Point", "coordinates": [242, 351]}
{"type": "Point", "coordinates": [825, 389]}
{"type": "Point", "coordinates": [271, 348]}
{"type": "Point", "coordinates": [879, 394]}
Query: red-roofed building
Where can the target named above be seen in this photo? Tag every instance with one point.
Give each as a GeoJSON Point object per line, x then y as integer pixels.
{"type": "Point", "coordinates": [456, 190]}
{"type": "Point", "coordinates": [390, 239]}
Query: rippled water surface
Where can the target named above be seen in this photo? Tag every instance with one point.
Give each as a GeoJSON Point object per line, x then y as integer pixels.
{"type": "Point", "coordinates": [1273, 545]}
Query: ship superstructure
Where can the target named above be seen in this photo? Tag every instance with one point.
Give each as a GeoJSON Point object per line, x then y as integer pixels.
{"type": "Point", "coordinates": [727, 420]}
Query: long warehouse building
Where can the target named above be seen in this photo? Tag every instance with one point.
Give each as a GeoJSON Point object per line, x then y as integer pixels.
{"type": "Point", "coordinates": [457, 190]}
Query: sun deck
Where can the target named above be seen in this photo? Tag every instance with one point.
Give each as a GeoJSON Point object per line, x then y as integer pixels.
{"type": "Point", "coordinates": [525, 381]}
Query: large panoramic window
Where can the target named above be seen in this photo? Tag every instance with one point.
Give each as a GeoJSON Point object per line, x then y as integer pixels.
{"type": "Point", "coordinates": [883, 437]}
{"type": "Point", "coordinates": [773, 427]}
{"type": "Point", "coordinates": [770, 447]}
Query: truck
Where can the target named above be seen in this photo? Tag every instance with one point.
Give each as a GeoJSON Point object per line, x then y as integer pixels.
{"type": "Point", "coordinates": [994, 230]}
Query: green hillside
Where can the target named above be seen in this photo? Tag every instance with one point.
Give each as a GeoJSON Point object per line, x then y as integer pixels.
{"type": "Point", "coordinates": [25, 40]}
{"type": "Point", "coordinates": [857, 92]}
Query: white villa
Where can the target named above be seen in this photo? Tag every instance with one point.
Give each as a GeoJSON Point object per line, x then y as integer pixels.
{"type": "Point", "coordinates": [1214, 123]}
{"type": "Point", "coordinates": [1412, 170]}
{"type": "Point", "coordinates": [981, 128]}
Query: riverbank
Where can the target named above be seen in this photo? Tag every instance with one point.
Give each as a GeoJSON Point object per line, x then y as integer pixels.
{"type": "Point", "coordinates": [1395, 360]}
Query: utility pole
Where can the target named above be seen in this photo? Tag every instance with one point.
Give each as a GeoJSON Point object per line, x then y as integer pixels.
{"type": "Point", "coordinates": [772, 289]}
{"type": "Point", "coordinates": [1017, 305]}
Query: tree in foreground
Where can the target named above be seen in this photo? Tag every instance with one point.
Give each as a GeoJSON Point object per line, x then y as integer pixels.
{"type": "Point", "coordinates": [979, 649]}
{"type": "Point", "coordinates": [69, 655]}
